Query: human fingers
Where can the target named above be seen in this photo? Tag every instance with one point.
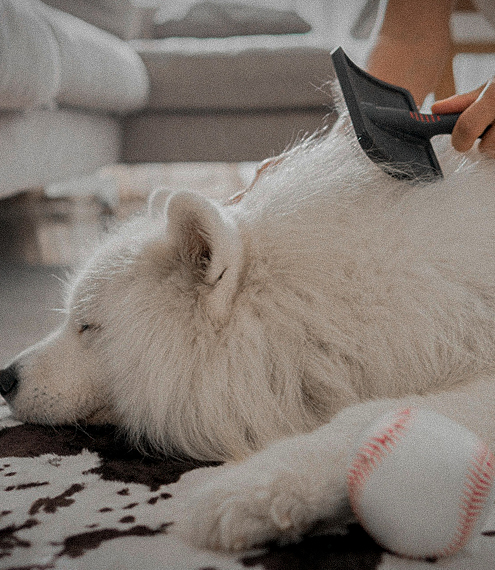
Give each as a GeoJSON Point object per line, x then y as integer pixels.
{"type": "Point", "coordinates": [475, 119]}
{"type": "Point", "coordinates": [456, 103]}
{"type": "Point", "coordinates": [487, 144]}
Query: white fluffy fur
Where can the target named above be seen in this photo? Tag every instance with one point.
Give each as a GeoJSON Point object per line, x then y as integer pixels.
{"type": "Point", "coordinates": [217, 329]}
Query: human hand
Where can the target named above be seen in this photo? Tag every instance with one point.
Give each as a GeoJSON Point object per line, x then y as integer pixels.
{"type": "Point", "coordinates": [477, 110]}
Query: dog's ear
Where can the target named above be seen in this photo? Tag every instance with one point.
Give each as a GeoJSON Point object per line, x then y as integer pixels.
{"type": "Point", "coordinates": [208, 241]}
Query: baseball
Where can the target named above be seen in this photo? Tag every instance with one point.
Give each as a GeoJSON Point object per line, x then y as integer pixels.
{"type": "Point", "coordinates": [421, 484]}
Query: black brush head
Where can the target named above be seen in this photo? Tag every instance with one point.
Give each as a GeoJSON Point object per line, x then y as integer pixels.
{"type": "Point", "coordinates": [399, 155]}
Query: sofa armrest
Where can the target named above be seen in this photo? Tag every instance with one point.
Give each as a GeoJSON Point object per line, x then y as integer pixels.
{"type": "Point", "coordinates": [48, 56]}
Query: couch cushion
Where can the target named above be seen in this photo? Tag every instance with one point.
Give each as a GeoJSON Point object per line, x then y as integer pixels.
{"type": "Point", "coordinates": [241, 73]}
{"type": "Point", "coordinates": [47, 55]}
{"type": "Point", "coordinates": [225, 137]}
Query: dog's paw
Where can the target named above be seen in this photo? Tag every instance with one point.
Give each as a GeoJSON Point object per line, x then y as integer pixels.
{"type": "Point", "coordinates": [238, 510]}
{"type": "Point", "coordinates": [250, 504]}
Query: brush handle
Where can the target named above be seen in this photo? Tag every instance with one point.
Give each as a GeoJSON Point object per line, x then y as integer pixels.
{"type": "Point", "coordinates": [410, 123]}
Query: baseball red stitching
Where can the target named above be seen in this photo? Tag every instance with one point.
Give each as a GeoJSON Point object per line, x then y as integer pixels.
{"type": "Point", "coordinates": [372, 453]}
{"type": "Point", "coordinates": [481, 474]}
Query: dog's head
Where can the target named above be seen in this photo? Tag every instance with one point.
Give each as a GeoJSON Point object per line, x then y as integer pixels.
{"type": "Point", "coordinates": [140, 320]}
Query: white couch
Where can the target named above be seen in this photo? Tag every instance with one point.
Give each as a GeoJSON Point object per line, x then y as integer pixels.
{"type": "Point", "coordinates": [83, 83]}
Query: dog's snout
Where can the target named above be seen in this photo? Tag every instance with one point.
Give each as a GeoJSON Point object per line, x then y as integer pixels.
{"type": "Point", "coordinates": [9, 380]}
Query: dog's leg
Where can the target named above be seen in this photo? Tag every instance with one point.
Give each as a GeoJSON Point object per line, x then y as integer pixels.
{"type": "Point", "coordinates": [282, 491]}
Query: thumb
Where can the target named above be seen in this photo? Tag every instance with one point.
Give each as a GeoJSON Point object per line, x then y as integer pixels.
{"type": "Point", "coordinates": [456, 103]}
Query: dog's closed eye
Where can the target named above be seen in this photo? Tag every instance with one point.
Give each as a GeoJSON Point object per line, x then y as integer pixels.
{"type": "Point", "coordinates": [87, 327]}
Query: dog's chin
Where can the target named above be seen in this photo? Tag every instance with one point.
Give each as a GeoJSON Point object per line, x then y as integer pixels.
{"type": "Point", "coordinates": [101, 416]}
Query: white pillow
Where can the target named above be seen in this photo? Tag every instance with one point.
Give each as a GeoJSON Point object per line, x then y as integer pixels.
{"type": "Point", "coordinates": [209, 19]}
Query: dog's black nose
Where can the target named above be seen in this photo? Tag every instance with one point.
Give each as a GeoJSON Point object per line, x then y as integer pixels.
{"type": "Point", "coordinates": [8, 382]}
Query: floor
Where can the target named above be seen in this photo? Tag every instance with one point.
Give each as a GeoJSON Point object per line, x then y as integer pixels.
{"type": "Point", "coordinates": [42, 237]}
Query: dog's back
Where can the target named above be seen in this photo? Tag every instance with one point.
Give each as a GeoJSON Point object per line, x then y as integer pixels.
{"type": "Point", "coordinates": [395, 280]}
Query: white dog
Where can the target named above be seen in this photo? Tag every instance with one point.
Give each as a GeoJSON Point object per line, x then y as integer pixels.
{"type": "Point", "coordinates": [323, 297]}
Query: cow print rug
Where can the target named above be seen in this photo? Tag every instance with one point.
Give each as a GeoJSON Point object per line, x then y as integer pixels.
{"type": "Point", "coordinates": [81, 499]}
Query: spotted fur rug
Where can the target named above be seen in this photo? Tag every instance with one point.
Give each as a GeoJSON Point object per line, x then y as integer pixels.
{"type": "Point", "coordinates": [74, 499]}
